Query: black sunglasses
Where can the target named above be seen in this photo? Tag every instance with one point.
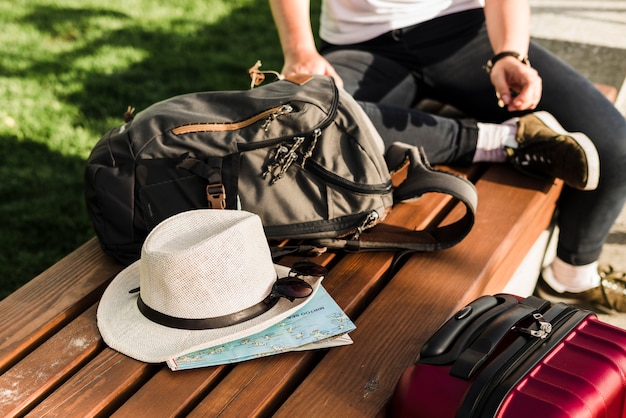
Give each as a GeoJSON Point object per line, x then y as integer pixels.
{"type": "Point", "coordinates": [293, 286]}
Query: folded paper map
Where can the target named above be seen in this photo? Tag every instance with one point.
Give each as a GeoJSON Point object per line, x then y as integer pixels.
{"type": "Point", "coordinates": [319, 324]}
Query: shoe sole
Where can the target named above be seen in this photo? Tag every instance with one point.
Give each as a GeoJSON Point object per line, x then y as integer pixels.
{"type": "Point", "coordinates": [593, 160]}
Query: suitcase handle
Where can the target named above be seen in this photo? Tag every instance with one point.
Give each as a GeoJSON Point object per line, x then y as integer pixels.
{"type": "Point", "coordinates": [449, 341]}
{"type": "Point", "coordinates": [483, 347]}
{"type": "Point", "coordinates": [491, 385]}
{"type": "Point", "coordinates": [447, 334]}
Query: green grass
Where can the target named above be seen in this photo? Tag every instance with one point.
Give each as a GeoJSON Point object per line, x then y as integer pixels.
{"type": "Point", "coordinates": [68, 71]}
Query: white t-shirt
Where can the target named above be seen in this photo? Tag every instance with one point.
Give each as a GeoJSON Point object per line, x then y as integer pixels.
{"type": "Point", "coordinates": [351, 21]}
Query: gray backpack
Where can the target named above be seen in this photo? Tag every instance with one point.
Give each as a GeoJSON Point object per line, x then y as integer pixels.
{"type": "Point", "coordinates": [300, 153]}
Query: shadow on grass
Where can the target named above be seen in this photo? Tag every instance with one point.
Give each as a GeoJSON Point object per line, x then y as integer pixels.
{"type": "Point", "coordinates": [42, 209]}
{"type": "Point", "coordinates": [41, 196]}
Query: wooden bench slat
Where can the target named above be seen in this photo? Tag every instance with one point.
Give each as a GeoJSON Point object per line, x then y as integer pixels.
{"type": "Point", "coordinates": [262, 387]}
{"type": "Point", "coordinates": [52, 299]}
{"type": "Point", "coordinates": [49, 365]}
{"type": "Point", "coordinates": [98, 388]}
{"type": "Point", "coordinates": [396, 324]}
{"type": "Point", "coordinates": [108, 383]}
{"type": "Point", "coordinates": [171, 394]}
{"type": "Point", "coordinates": [528, 226]}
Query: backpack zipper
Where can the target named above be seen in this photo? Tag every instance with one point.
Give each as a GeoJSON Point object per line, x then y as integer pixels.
{"type": "Point", "coordinates": [269, 116]}
{"type": "Point", "coordinates": [343, 226]}
{"type": "Point", "coordinates": [329, 177]}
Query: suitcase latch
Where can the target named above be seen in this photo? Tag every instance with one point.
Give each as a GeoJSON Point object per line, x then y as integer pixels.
{"type": "Point", "coordinates": [545, 328]}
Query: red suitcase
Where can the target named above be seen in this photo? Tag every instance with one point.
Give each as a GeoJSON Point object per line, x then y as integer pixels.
{"type": "Point", "coordinates": [507, 357]}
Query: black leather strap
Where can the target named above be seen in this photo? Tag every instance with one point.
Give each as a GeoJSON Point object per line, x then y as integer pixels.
{"type": "Point", "coordinates": [421, 179]}
{"type": "Point", "coordinates": [206, 323]}
{"type": "Point", "coordinates": [491, 62]}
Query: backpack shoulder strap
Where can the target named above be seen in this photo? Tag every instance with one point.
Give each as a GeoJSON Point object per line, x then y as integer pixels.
{"type": "Point", "coordinates": [421, 179]}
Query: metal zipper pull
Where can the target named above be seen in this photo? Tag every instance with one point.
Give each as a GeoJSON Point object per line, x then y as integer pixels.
{"type": "Point", "coordinates": [288, 159]}
{"type": "Point", "coordinates": [316, 134]}
{"type": "Point", "coordinates": [370, 220]}
{"type": "Point", "coordinates": [283, 110]}
{"type": "Point", "coordinates": [282, 158]}
{"type": "Point", "coordinates": [276, 155]}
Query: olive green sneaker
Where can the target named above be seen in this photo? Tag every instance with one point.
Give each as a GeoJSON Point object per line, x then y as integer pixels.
{"type": "Point", "coordinates": [546, 148]}
{"type": "Point", "coordinates": [608, 298]}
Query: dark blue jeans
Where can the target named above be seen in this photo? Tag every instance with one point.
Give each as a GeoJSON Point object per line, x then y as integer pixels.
{"type": "Point", "coordinates": [442, 59]}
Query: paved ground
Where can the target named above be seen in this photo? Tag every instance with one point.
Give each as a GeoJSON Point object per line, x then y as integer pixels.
{"type": "Point", "coordinates": [591, 36]}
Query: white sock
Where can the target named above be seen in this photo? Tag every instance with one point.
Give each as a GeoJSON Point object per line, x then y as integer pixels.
{"type": "Point", "coordinates": [492, 138]}
{"type": "Point", "coordinates": [564, 277]}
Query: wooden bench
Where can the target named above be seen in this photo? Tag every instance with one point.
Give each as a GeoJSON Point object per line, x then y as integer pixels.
{"type": "Point", "coordinates": [54, 363]}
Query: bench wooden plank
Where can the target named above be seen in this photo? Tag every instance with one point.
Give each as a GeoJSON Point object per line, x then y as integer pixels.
{"type": "Point", "coordinates": [48, 366]}
{"type": "Point", "coordinates": [528, 228]}
{"type": "Point", "coordinates": [45, 304]}
{"type": "Point", "coordinates": [98, 388]}
{"type": "Point", "coordinates": [170, 394]}
{"type": "Point", "coordinates": [109, 382]}
{"type": "Point", "coordinates": [424, 293]}
{"type": "Point", "coordinates": [254, 388]}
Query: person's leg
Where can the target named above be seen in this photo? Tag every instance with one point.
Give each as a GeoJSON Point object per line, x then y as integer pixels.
{"type": "Point", "coordinates": [453, 71]}
{"type": "Point", "coordinates": [446, 56]}
{"type": "Point", "coordinates": [386, 91]}
{"type": "Point", "coordinates": [585, 217]}
{"type": "Point", "coordinates": [427, 59]}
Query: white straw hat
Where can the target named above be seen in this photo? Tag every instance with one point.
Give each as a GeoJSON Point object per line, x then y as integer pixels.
{"type": "Point", "coordinates": [198, 269]}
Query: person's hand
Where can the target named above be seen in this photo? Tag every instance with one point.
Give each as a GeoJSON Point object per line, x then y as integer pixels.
{"type": "Point", "coordinates": [310, 63]}
{"type": "Point", "coordinates": [518, 86]}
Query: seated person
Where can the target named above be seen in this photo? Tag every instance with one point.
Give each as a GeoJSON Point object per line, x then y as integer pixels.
{"type": "Point", "coordinates": [388, 54]}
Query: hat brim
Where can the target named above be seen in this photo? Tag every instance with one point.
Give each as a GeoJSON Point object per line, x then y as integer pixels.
{"type": "Point", "coordinates": [124, 328]}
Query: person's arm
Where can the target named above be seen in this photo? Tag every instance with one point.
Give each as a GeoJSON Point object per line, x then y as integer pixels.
{"type": "Point", "coordinates": [508, 26]}
{"type": "Point", "coordinates": [293, 22]}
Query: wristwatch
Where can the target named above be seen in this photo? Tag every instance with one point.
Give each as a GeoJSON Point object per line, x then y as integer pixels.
{"type": "Point", "coordinates": [492, 61]}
